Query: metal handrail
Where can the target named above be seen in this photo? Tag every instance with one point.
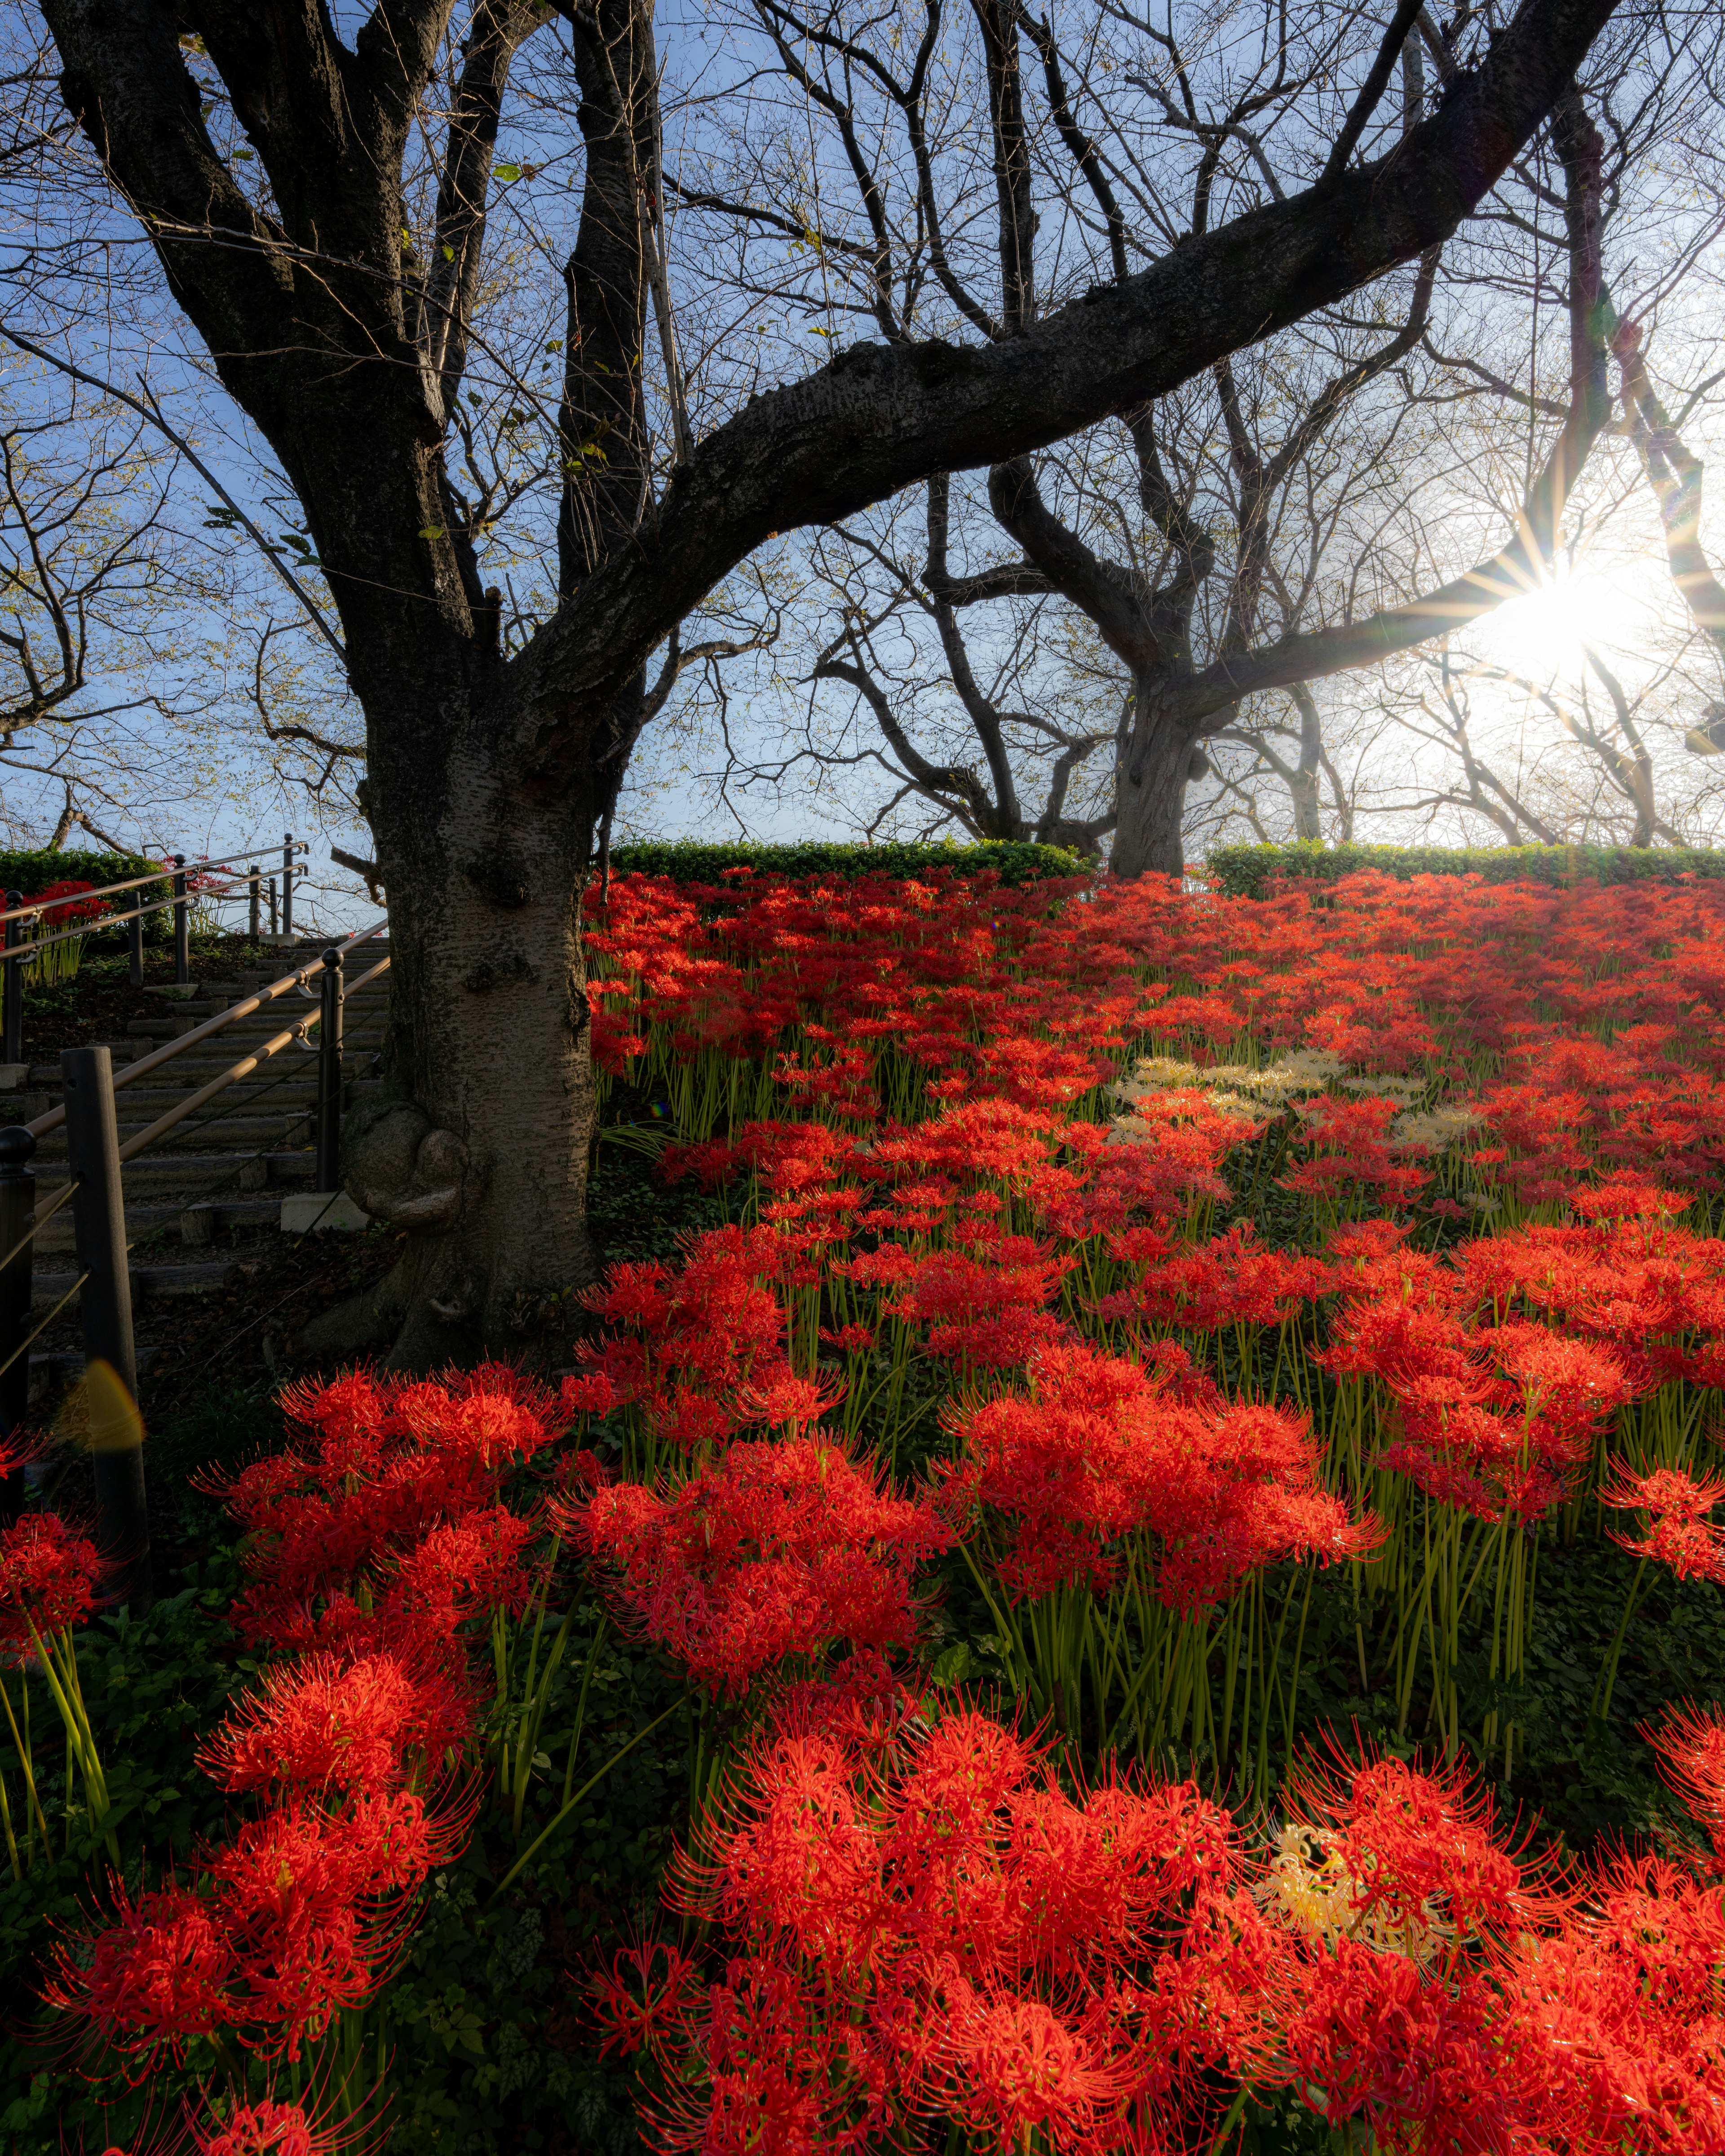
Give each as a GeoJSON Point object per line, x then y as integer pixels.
{"type": "Point", "coordinates": [157, 875]}
{"type": "Point", "coordinates": [242, 1068]}
{"type": "Point", "coordinates": [130, 1073]}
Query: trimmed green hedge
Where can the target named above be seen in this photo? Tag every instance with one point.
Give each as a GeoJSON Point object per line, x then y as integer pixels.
{"type": "Point", "coordinates": [1247, 871]}
{"type": "Point", "coordinates": [687, 860]}
{"type": "Point", "coordinates": [34, 871]}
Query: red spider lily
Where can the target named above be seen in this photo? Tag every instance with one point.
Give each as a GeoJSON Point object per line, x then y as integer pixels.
{"type": "Point", "coordinates": [640, 2007]}
{"type": "Point", "coordinates": [787, 1401]}
{"type": "Point", "coordinates": [65, 902]}
{"type": "Point", "coordinates": [774, 1549]}
{"type": "Point", "coordinates": [467, 1567]}
{"type": "Point", "coordinates": [304, 1907]}
{"type": "Point", "coordinates": [323, 1722]}
{"type": "Point", "coordinates": [1100, 1449]}
{"type": "Point", "coordinates": [1167, 1159]}
{"type": "Point", "coordinates": [985, 1310]}
{"type": "Point", "coordinates": [297, 1892]}
{"type": "Point", "coordinates": [1351, 1155]}
{"type": "Point", "coordinates": [1655, 1916]}
{"type": "Point", "coordinates": [1680, 1535]}
{"type": "Point", "coordinates": [1231, 1280]}
{"type": "Point", "coordinates": [162, 1973]}
{"type": "Point", "coordinates": [693, 1339]}
{"type": "Point", "coordinates": [269, 2128]}
{"type": "Point", "coordinates": [390, 1466]}
{"type": "Point", "coordinates": [946, 1931]}
{"type": "Point", "coordinates": [1421, 2065]}
{"type": "Point", "coordinates": [48, 1578]}
{"type": "Point", "coordinates": [1691, 1744]}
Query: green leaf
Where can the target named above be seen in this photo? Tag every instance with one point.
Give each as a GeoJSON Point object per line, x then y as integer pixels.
{"type": "Point", "coordinates": [952, 1666]}
{"type": "Point", "coordinates": [432, 531]}
{"type": "Point", "coordinates": [505, 172]}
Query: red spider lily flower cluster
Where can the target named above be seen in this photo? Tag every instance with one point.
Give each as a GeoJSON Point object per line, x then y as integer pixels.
{"type": "Point", "coordinates": [1010, 996]}
{"type": "Point", "coordinates": [64, 903]}
{"type": "Point", "coordinates": [1098, 1450]}
{"type": "Point", "coordinates": [774, 1549]}
{"type": "Point", "coordinates": [390, 1499]}
{"type": "Point", "coordinates": [932, 1925]}
{"type": "Point", "coordinates": [918, 1923]}
{"type": "Point", "coordinates": [1681, 1534]}
{"type": "Point", "coordinates": [694, 1349]}
{"type": "Point", "coordinates": [1009, 1149]}
{"type": "Point", "coordinates": [50, 1579]}
{"type": "Point", "coordinates": [376, 1539]}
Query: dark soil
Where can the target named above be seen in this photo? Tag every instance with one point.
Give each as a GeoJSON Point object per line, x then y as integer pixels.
{"type": "Point", "coordinates": [246, 1332]}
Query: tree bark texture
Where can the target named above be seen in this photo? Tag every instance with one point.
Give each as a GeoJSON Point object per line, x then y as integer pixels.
{"type": "Point", "coordinates": [487, 773]}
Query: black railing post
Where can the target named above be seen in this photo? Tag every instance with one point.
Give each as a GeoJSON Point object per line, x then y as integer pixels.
{"type": "Point", "coordinates": [254, 883]}
{"type": "Point", "coordinates": [135, 936]}
{"type": "Point", "coordinates": [104, 1303]}
{"type": "Point", "coordinates": [329, 1077]}
{"type": "Point", "coordinates": [17, 1218]}
{"type": "Point", "coordinates": [287, 883]}
{"type": "Point", "coordinates": [182, 948]}
{"type": "Point", "coordinates": [273, 921]}
{"type": "Point", "coordinates": [14, 988]}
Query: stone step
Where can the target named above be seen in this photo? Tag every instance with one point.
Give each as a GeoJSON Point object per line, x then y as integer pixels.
{"type": "Point", "coordinates": [199, 1065]}
{"type": "Point", "coordinates": [190, 1276]}
{"type": "Point", "coordinates": [199, 1172]}
{"type": "Point", "coordinates": [193, 1225]}
{"type": "Point", "coordinates": [246, 1133]}
{"type": "Point", "coordinates": [144, 1034]}
{"type": "Point", "coordinates": [142, 1104]}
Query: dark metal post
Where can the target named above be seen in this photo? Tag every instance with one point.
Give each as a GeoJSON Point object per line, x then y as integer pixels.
{"type": "Point", "coordinates": [135, 936]}
{"type": "Point", "coordinates": [254, 883]}
{"type": "Point", "coordinates": [18, 1215]}
{"type": "Point", "coordinates": [182, 949]}
{"type": "Point", "coordinates": [14, 989]}
{"type": "Point", "coordinates": [273, 920]}
{"type": "Point", "coordinates": [105, 1302]}
{"type": "Point", "coordinates": [329, 1077]}
{"type": "Point", "coordinates": [287, 883]}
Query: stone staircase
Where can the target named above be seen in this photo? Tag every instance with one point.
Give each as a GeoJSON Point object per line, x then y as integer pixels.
{"type": "Point", "coordinates": [206, 1197]}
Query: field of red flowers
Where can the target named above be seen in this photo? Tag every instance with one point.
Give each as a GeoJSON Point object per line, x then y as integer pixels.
{"type": "Point", "coordinates": [1091, 1507]}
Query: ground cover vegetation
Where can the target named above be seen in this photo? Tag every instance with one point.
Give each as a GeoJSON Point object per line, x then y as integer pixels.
{"type": "Point", "coordinates": [1140, 1573]}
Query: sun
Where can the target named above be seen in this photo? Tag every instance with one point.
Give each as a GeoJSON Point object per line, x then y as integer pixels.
{"type": "Point", "coordinates": [1545, 631]}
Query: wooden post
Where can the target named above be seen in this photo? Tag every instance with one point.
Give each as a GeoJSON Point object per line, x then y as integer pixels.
{"type": "Point", "coordinates": [104, 1304]}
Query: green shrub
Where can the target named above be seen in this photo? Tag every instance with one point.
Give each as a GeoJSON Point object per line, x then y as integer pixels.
{"type": "Point", "coordinates": [1249, 871]}
{"type": "Point", "coordinates": [688, 860]}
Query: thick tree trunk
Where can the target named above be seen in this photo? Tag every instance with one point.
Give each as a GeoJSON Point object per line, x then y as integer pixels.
{"type": "Point", "coordinates": [1151, 791]}
{"type": "Point", "coordinates": [476, 1146]}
